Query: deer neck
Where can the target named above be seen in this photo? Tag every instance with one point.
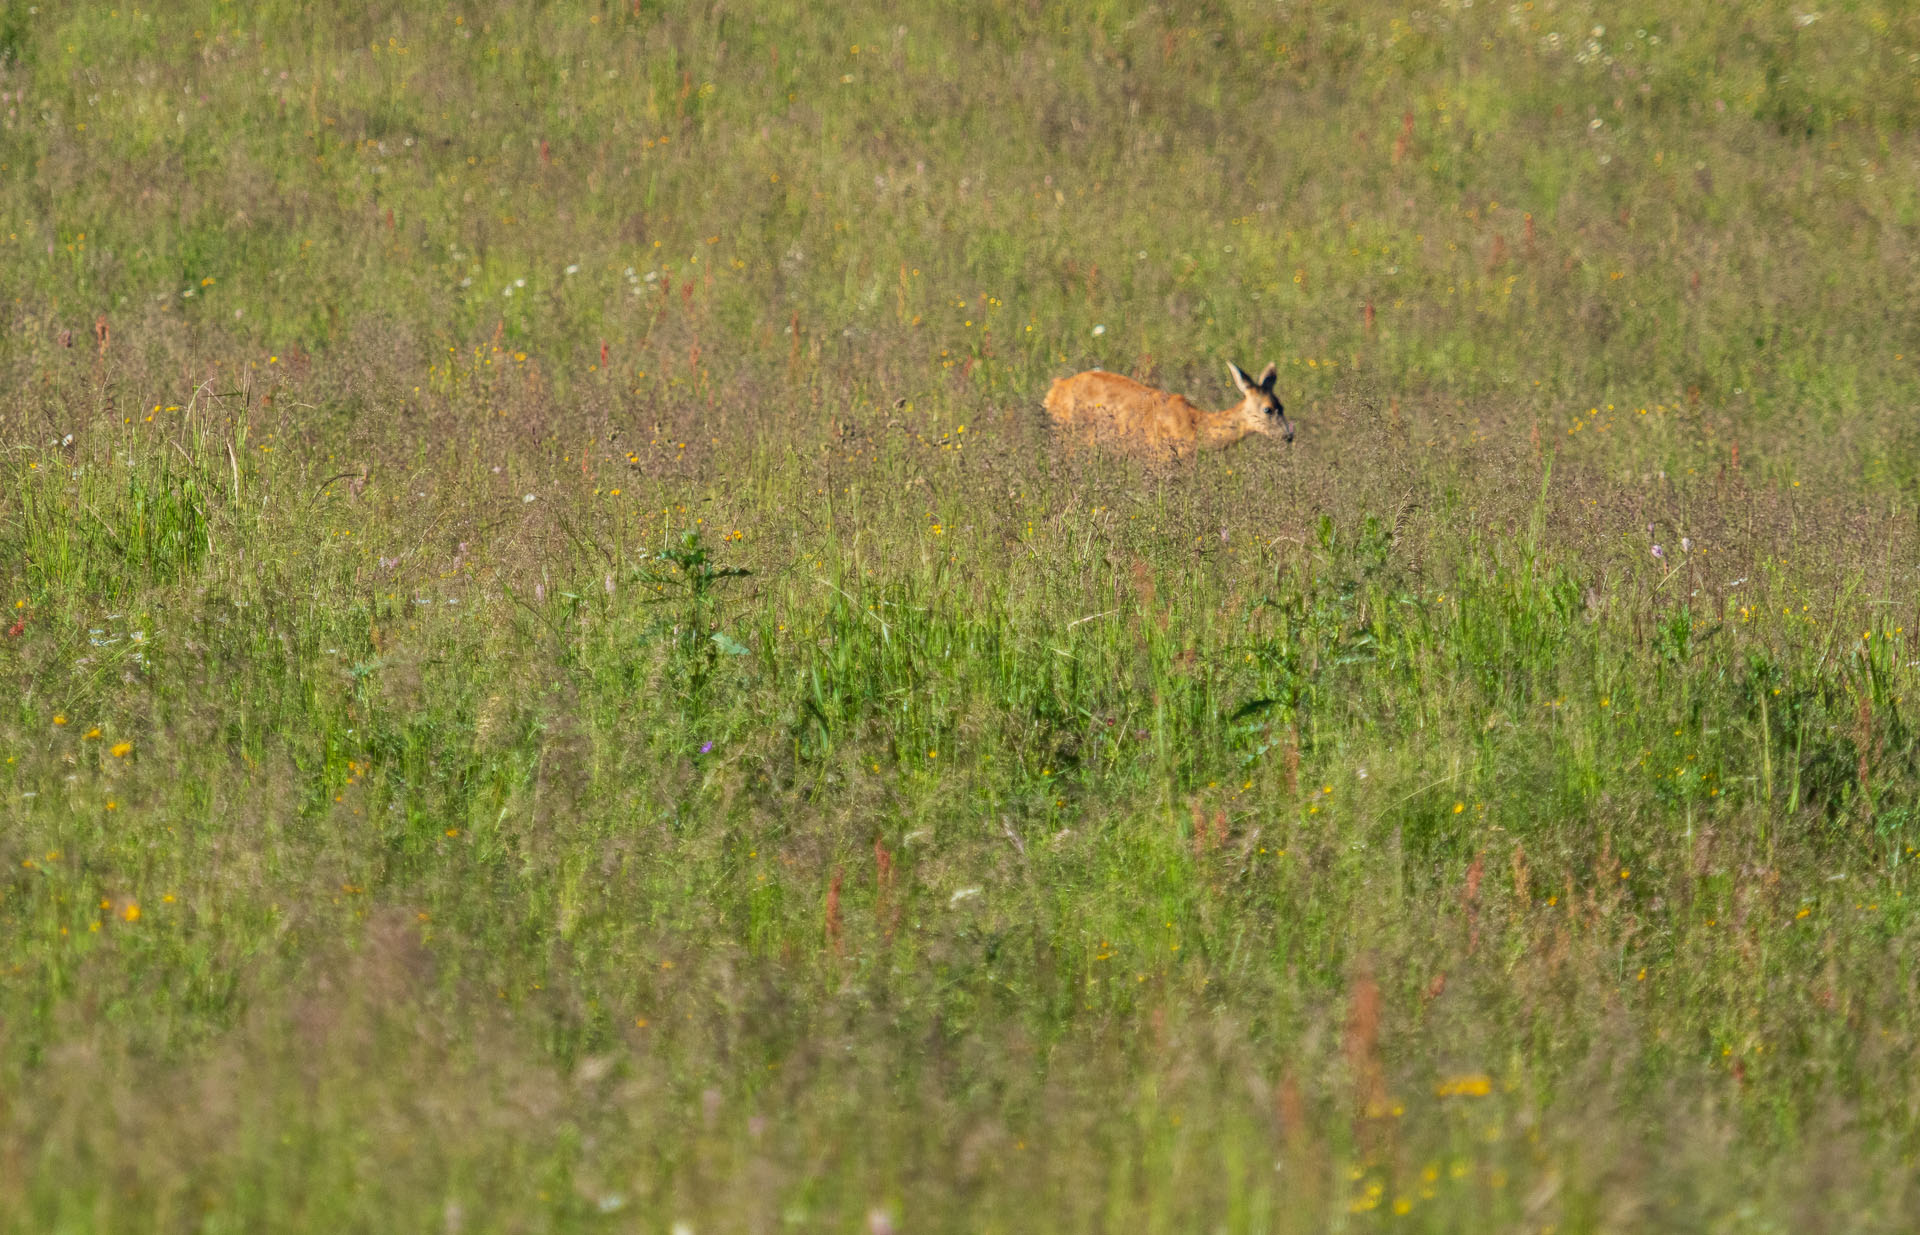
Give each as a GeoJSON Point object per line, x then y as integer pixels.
{"type": "Point", "coordinates": [1216, 429]}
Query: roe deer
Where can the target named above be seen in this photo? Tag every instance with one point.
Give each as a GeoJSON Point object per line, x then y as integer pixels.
{"type": "Point", "coordinates": [1130, 416]}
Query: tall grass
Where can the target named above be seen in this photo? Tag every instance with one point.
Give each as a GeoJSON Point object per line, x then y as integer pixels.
{"type": "Point", "coordinates": [562, 682]}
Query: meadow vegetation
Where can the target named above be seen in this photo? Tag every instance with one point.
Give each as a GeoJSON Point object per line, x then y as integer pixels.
{"type": "Point", "coordinates": [561, 682]}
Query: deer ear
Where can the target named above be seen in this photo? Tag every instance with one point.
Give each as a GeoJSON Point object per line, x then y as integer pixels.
{"type": "Point", "coordinates": [1240, 378]}
{"type": "Point", "coordinates": [1267, 375]}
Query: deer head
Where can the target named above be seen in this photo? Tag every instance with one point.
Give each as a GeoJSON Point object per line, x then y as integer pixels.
{"type": "Point", "coordinates": [1259, 411]}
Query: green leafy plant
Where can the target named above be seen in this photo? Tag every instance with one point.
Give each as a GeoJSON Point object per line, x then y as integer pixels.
{"type": "Point", "coordinates": [686, 577]}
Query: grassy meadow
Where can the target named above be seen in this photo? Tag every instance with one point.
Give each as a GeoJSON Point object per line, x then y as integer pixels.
{"type": "Point", "coordinates": [560, 681]}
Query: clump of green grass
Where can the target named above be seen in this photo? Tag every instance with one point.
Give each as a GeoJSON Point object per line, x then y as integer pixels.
{"type": "Point", "coordinates": [563, 683]}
